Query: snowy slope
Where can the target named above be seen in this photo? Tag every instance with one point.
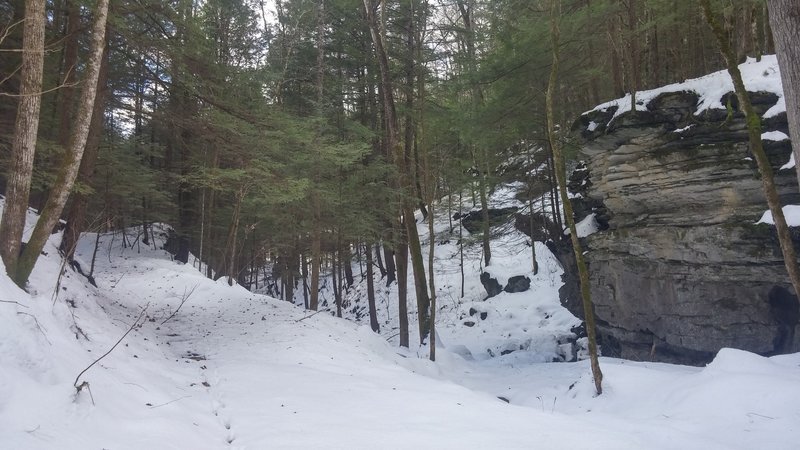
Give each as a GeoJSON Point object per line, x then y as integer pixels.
{"type": "Point", "coordinates": [233, 369]}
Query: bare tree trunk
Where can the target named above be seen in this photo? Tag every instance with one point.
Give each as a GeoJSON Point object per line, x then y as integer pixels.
{"type": "Point", "coordinates": [561, 175]}
{"type": "Point", "coordinates": [784, 18]}
{"type": "Point", "coordinates": [461, 239]}
{"type": "Point", "coordinates": [396, 150]}
{"type": "Point", "coordinates": [316, 234]}
{"type": "Point", "coordinates": [76, 217]}
{"type": "Point", "coordinates": [230, 246]}
{"type": "Point", "coordinates": [304, 271]}
{"type": "Point", "coordinates": [316, 254]}
{"type": "Point", "coordinates": [66, 95]}
{"type": "Point", "coordinates": [336, 282]}
{"type": "Point", "coordinates": [479, 157]}
{"type": "Point", "coordinates": [401, 258]}
{"type": "Point", "coordinates": [373, 312]}
{"type": "Point", "coordinates": [534, 263]}
{"type": "Point", "coordinates": [388, 258]}
{"type": "Point", "coordinates": [757, 148]}
{"type": "Point", "coordinates": [69, 169]}
{"type": "Point", "coordinates": [347, 265]}
{"type": "Point", "coordinates": [379, 261]}
{"type": "Point", "coordinates": [431, 278]}
{"type": "Point", "coordinates": [23, 146]}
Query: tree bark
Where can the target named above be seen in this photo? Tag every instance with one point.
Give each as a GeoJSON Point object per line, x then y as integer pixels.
{"type": "Point", "coordinates": [784, 18]}
{"type": "Point", "coordinates": [66, 95]}
{"type": "Point", "coordinates": [373, 311]}
{"type": "Point", "coordinates": [69, 169]}
{"type": "Point", "coordinates": [561, 177]}
{"type": "Point", "coordinates": [23, 146]}
{"type": "Point", "coordinates": [401, 259]}
{"type": "Point", "coordinates": [76, 217]}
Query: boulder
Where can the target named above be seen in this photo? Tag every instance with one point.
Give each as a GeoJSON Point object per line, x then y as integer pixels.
{"type": "Point", "coordinates": [519, 283]}
{"type": "Point", "coordinates": [497, 216]}
{"type": "Point", "coordinates": [491, 285]}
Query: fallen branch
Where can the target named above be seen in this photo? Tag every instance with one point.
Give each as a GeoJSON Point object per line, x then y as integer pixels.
{"type": "Point", "coordinates": [312, 315]}
{"type": "Point", "coordinates": [85, 383]}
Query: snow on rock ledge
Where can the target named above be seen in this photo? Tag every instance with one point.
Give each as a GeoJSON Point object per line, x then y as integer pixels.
{"type": "Point", "coordinates": [679, 264]}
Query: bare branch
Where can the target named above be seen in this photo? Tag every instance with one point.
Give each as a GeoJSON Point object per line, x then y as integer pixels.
{"type": "Point", "coordinates": [133, 325]}
{"type": "Point", "coordinates": [183, 300]}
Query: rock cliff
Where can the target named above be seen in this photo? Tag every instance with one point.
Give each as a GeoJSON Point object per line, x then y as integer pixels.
{"type": "Point", "coordinates": [680, 269]}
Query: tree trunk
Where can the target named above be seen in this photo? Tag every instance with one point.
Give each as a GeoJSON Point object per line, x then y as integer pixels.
{"type": "Point", "coordinates": [388, 258]}
{"type": "Point", "coordinates": [316, 234]}
{"type": "Point", "coordinates": [336, 282]}
{"type": "Point", "coordinates": [531, 225]}
{"type": "Point", "coordinates": [316, 254]}
{"type": "Point", "coordinates": [379, 260]}
{"type": "Point", "coordinates": [784, 18]}
{"type": "Point", "coordinates": [373, 312]}
{"type": "Point", "coordinates": [431, 279]}
{"type": "Point", "coordinates": [66, 95]}
{"type": "Point", "coordinates": [401, 258]}
{"type": "Point", "coordinates": [230, 246]}
{"type": "Point", "coordinates": [561, 177]}
{"type": "Point", "coordinates": [757, 148]}
{"type": "Point", "coordinates": [461, 239]}
{"type": "Point", "coordinates": [23, 146]}
{"type": "Point", "coordinates": [404, 181]}
{"type": "Point", "coordinates": [347, 265]}
{"type": "Point", "coordinates": [69, 169]}
{"type": "Point", "coordinates": [76, 217]}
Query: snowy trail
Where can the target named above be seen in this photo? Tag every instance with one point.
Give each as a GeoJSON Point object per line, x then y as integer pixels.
{"type": "Point", "coordinates": [280, 383]}
{"type": "Point", "coordinates": [279, 377]}
{"type": "Point", "coordinates": [235, 370]}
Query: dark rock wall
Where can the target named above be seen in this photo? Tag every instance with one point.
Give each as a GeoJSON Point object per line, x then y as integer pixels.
{"type": "Point", "coordinates": [682, 270]}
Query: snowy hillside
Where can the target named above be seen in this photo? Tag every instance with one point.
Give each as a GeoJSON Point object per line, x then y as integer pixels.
{"type": "Point", "coordinates": [233, 369]}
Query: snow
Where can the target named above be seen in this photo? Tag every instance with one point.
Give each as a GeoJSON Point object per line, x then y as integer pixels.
{"type": "Point", "coordinates": [234, 369]}
{"type": "Point", "coordinates": [790, 164]}
{"type": "Point", "coordinates": [791, 212]}
{"type": "Point", "coordinates": [586, 227]}
{"type": "Point", "coordinates": [758, 76]}
{"type": "Point", "coordinates": [776, 136]}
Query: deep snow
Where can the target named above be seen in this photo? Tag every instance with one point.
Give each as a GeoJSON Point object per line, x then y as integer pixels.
{"type": "Point", "coordinates": [234, 369]}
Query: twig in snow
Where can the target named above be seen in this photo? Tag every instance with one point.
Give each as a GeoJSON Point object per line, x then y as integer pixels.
{"type": "Point", "coordinates": [171, 401]}
{"type": "Point", "coordinates": [760, 415]}
{"type": "Point", "coordinates": [38, 325]}
{"type": "Point", "coordinates": [120, 279]}
{"type": "Point", "coordinates": [183, 300]}
{"type": "Point", "coordinates": [312, 315]}
{"type": "Point", "coordinates": [12, 301]}
{"type": "Point", "coordinates": [85, 383]}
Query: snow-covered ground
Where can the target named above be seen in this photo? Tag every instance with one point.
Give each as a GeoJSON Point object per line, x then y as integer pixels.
{"type": "Point", "coordinates": [232, 369]}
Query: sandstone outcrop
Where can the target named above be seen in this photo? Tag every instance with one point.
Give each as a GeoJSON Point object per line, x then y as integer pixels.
{"type": "Point", "coordinates": [681, 269]}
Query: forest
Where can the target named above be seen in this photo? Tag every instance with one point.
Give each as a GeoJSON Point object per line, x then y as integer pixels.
{"type": "Point", "coordinates": [303, 149]}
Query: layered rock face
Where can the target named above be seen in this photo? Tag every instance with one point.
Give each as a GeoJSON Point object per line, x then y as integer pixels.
{"type": "Point", "coordinates": [681, 269]}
